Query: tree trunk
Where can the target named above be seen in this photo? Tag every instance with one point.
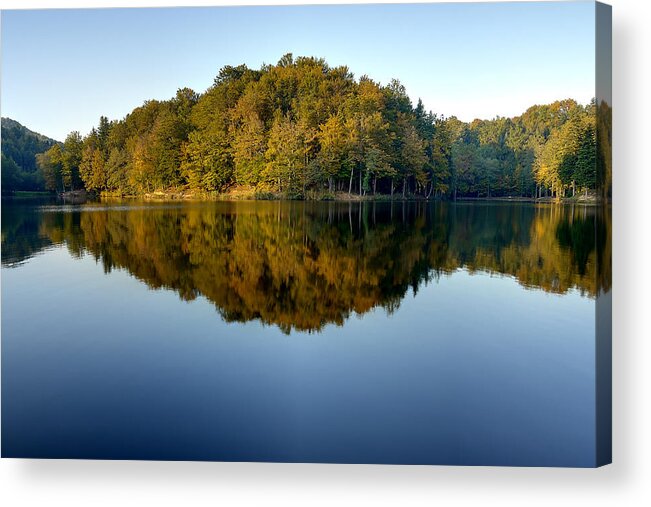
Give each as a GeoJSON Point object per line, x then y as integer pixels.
{"type": "Point", "coordinates": [404, 188]}
{"type": "Point", "coordinates": [350, 216]}
{"type": "Point", "coordinates": [350, 183]}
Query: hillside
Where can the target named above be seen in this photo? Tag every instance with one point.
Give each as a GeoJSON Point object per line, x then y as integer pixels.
{"type": "Point", "coordinates": [19, 148]}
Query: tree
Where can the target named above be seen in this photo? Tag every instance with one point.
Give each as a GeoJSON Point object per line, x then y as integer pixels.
{"type": "Point", "coordinates": [334, 148]}
{"type": "Point", "coordinates": [249, 137]}
{"type": "Point", "coordinates": [207, 162]}
{"type": "Point", "coordinates": [412, 156]}
{"type": "Point", "coordinates": [70, 159]}
{"type": "Point", "coordinates": [116, 166]}
{"type": "Point", "coordinates": [51, 166]}
{"type": "Point", "coordinates": [439, 150]}
{"type": "Point", "coordinates": [585, 172]}
{"type": "Point", "coordinates": [285, 162]}
{"type": "Point", "coordinates": [11, 175]}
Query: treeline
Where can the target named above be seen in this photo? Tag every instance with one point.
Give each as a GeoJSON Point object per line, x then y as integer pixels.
{"type": "Point", "coordinates": [19, 148]}
{"type": "Point", "coordinates": [302, 128]}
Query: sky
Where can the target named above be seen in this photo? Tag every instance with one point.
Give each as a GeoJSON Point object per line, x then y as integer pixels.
{"type": "Point", "coordinates": [63, 69]}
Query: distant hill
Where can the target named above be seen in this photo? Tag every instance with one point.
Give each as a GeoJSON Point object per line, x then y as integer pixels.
{"type": "Point", "coordinates": [19, 147]}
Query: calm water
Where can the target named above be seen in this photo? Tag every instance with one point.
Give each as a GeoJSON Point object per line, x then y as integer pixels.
{"type": "Point", "coordinates": [315, 332]}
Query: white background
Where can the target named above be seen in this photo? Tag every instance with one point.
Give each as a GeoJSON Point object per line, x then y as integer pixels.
{"type": "Point", "coordinates": [626, 482]}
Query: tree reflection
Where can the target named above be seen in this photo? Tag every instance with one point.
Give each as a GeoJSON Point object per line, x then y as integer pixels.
{"type": "Point", "coordinates": [303, 265]}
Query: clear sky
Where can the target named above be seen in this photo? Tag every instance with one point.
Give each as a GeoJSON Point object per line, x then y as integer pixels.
{"type": "Point", "coordinates": [62, 69]}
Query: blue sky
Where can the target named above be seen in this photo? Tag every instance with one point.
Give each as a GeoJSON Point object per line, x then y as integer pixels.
{"type": "Point", "coordinates": [62, 69]}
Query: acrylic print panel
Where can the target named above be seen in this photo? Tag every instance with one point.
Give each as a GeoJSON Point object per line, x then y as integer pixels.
{"type": "Point", "coordinates": [226, 236]}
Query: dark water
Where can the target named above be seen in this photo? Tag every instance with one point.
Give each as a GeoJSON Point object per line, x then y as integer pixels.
{"type": "Point", "coordinates": [315, 332]}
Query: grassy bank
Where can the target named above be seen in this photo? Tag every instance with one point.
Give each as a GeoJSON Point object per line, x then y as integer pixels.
{"type": "Point", "coordinates": [244, 193]}
{"type": "Point", "coordinates": [28, 193]}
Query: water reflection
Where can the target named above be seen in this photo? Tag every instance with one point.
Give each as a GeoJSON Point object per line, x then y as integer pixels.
{"type": "Point", "coordinates": [303, 265]}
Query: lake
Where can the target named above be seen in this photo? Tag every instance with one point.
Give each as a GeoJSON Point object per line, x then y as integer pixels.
{"type": "Point", "coordinates": [406, 332]}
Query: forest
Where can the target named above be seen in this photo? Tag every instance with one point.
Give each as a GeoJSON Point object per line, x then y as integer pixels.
{"type": "Point", "coordinates": [301, 129]}
{"type": "Point", "coordinates": [19, 149]}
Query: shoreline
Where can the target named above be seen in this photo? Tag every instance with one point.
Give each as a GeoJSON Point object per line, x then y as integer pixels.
{"type": "Point", "coordinates": [252, 195]}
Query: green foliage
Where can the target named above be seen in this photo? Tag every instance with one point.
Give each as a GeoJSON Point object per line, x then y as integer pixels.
{"type": "Point", "coordinates": [92, 168]}
{"type": "Point", "coordinates": [50, 165]}
{"type": "Point", "coordinates": [20, 146]}
{"type": "Point", "coordinates": [535, 154]}
{"type": "Point", "coordinates": [71, 155]}
{"type": "Point", "coordinates": [334, 141]}
{"type": "Point", "coordinates": [285, 168]}
{"type": "Point", "coordinates": [301, 128]}
{"type": "Point", "coordinates": [12, 177]}
{"type": "Point", "coordinates": [568, 158]}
